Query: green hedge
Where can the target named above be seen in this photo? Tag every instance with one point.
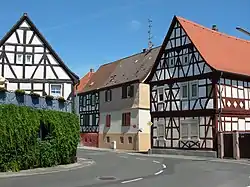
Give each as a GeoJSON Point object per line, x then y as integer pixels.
{"type": "Point", "coordinates": [20, 145]}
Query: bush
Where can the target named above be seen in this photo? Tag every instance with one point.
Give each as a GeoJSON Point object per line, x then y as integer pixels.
{"type": "Point", "coordinates": [49, 97]}
{"type": "Point", "coordinates": [20, 92]}
{"type": "Point", "coordinates": [22, 148]}
{"type": "Point", "coordinates": [61, 99]}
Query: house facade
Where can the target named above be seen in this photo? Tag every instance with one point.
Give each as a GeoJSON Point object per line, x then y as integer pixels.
{"type": "Point", "coordinates": [125, 104]}
{"type": "Point", "coordinates": [199, 91]}
{"type": "Point", "coordinates": [28, 62]}
{"type": "Point", "coordinates": [89, 105]}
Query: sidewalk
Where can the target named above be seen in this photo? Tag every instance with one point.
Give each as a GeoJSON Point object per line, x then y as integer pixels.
{"type": "Point", "coordinates": [181, 157]}
{"type": "Point", "coordinates": [82, 162]}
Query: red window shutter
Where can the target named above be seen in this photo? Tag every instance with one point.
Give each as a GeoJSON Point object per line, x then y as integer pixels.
{"type": "Point", "coordinates": [123, 119]}
{"type": "Point", "coordinates": [127, 119]}
{"type": "Point", "coordinates": [107, 120]}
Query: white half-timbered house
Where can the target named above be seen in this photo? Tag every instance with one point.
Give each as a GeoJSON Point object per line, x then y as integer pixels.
{"type": "Point", "coordinates": [29, 63]}
{"type": "Point", "coordinates": [195, 64]}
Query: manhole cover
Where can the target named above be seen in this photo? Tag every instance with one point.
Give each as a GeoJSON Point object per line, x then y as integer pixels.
{"type": "Point", "coordinates": [107, 178]}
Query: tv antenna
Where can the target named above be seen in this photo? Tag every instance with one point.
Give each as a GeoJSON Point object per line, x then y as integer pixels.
{"type": "Point", "coordinates": [150, 44]}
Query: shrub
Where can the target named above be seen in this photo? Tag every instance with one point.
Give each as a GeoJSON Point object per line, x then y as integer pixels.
{"type": "Point", "coordinates": [22, 148]}
{"type": "Point", "coordinates": [49, 97]}
{"type": "Point", "coordinates": [61, 99]}
{"type": "Point", "coordinates": [3, 89]}
{"type": "Point", "coordinates": [20, 92]}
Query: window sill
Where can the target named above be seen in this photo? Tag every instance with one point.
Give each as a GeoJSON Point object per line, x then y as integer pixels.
{"type": "Point", "coordinates": [190, 139]}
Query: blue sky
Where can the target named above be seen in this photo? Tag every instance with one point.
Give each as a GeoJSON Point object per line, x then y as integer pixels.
{"type": "Point", "coordinates": [87, 34]}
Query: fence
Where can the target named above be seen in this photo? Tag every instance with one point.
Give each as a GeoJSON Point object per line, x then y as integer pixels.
{"type": "Point", "coordinates": [34, 102]}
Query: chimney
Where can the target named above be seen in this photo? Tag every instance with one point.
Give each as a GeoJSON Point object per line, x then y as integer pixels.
{"type": "Point", "coordinates": [91, 70]}
{"type": "Point", "coordinates": [144, 50]}
{"type": "Point", "coordinates": [214, 27]}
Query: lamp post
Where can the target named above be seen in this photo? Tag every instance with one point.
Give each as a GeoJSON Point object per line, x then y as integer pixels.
{"type": "Point", "coordinates": [243, 31]}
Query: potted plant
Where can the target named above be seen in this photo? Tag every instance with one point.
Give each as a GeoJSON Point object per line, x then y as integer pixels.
{"type": "Point", "coordinates": [61, 99]}
{"type": "Point", "coordinates": [49, 97]}
{"type": "Point", "coordinates": [3, 89]}
{"type": "Point", "coordinates": [20, 92]}
{"type": "Point", "coordinates": [34, 95]}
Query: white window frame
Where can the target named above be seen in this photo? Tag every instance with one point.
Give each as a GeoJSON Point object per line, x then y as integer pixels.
{"type": "Point", "coordinates": [26, 58]}
{"type": "Point", "coordinates": [161, 135]}
{"type": "Point", "coordinates": [197, 89]}
{"type": "Point", "coordinates": [158, 94]}
{"type": "Point", "coordinates": [60, 89]}
{"type": "Point", "coordinates": [181, 91]}
{"type": "Point", "coordinates": [190, 122]}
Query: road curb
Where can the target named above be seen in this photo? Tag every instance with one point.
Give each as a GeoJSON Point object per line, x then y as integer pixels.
{"type": "Point", "coordinates": [41, 171]}
{"type": "Point", "coordinates": [181, 157]}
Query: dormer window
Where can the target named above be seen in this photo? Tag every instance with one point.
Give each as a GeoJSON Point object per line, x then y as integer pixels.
{"type": "Point", "coordinates": [28, 58]}
{"type": "Point", "coordinates": [19, 57]}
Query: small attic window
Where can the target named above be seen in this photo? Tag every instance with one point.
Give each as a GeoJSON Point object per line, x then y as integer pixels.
{"type": "Point", "coordinates": [136, 61]}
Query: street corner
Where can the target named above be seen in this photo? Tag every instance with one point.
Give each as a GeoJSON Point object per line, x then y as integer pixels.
{"type": "Point", "coordinates": [81, 163]}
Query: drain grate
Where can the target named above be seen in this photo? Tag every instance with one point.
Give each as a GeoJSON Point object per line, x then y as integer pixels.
{"type": "Point", "coordinates": [106, 178]}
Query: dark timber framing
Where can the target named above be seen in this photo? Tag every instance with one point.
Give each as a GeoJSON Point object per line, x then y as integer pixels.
{"type": "Point", "coordinates": [44, 62]}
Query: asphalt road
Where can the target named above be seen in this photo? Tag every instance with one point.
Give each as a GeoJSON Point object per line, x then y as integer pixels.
{"type": "Point", "coordinates": [120, 169]}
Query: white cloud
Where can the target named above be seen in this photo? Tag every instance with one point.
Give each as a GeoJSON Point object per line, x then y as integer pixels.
{"type": "Point", "coordinates": [135, 25]}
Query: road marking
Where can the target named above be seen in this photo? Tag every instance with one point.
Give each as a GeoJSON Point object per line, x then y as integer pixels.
{"type": "Point", "coordinates": [156, 161]}
{"type": "Point", "coordinates": [133, 180]}
{"type": "Point", "coordinates": [159, 172]}
{"type": "Point", "coordinates": [164, 166]}
{"type": "Point", "coordinates": [140, 158]}
{"type": "Point", "coordinates": [123, 156]}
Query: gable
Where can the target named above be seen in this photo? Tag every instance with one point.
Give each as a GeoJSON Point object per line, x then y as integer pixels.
{"type": "Point", "coordinates": [178, 56]}
{"type": "Point", "coordinates": [25, 41]}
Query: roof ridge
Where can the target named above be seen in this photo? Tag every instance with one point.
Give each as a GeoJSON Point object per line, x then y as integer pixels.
{"type": "Point", "coordinates": [214, 32]}
{"type": "Point", "coordinates": [128, 57]}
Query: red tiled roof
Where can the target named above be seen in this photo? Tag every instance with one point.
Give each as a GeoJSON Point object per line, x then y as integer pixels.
{"type": "Point", "coordinates": [220, 51]}
{"type": "Point", "coordinates": [83, 82]}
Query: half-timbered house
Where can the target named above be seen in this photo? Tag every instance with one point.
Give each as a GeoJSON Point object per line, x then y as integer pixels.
{"type": "Point", "coordinates": [28, 62]}
{"type": "Point", "coordinates": [89, 105]}
{"type": "Point", "coordinates": [199, 88]}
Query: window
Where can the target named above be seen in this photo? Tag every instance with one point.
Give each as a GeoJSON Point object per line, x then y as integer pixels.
{"type": "Point", "coordinates": [161, 129]}
{"type": "Point", "coordinates": [56, 90]}
{"type": "Point", "coordinates": [108, 120]}
{"type": "Point", "coordinates": [93, 101]}
{"type": "Point", "coordinates": [160, 94]}
{"type": "Point", "coordinates": [93, 119]}
{"type": "Point", "coordinates": [130, 140]}
{"type": "Point", "coordinates": [171, 62]}
{"type": "Point", "coordinates": [19, 57]}
{"type": "Point", "coordinates": [108, 139]}
{"type": "Point", "coordinates": [28, 58]}
{"type": "Point", "coordinates": [84, 101]}
{"type": "Point", "coordinates": [86, 120]}
{"type": "Point", "coordinates": [126, 119]}
{"type": "Point", "coordinates": [184, 91]}
{"type": "Point", "coordinates": [189, 129]}
{"type": "Point", "coordinates": [185, 59]}
{"type": "Point", "coordinates": [194, 90]}
{"type": "Point", "coordinates": [209, 88]}
{"type": "Point", "coordinates": [121, 139]}
{"type": "Point", "coordinates": [108, 95]}
{"type": "Point", "coordinates": [127, 91]}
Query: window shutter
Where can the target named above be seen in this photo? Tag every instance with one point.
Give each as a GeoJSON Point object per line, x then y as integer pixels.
{"type": "Point", "coordinates": [106, 96]}
{"type": "Point", "coordinates": [127, 120]}
{"type": "Point", "coordinates": [110, 95]}
{"type": "Point", "coordinates": [124, 92]}
{"type": "Point", "coordinates": [131, 91]}
{"type": "Point", "coordinates": [107, 120]}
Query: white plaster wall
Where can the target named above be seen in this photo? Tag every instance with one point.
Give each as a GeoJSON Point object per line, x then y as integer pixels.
{"type": "Point", "coordinates": [144, 119]}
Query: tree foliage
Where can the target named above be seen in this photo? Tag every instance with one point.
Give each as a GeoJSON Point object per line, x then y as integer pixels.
{"type": "Point", "coordinates": [21, 146]}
